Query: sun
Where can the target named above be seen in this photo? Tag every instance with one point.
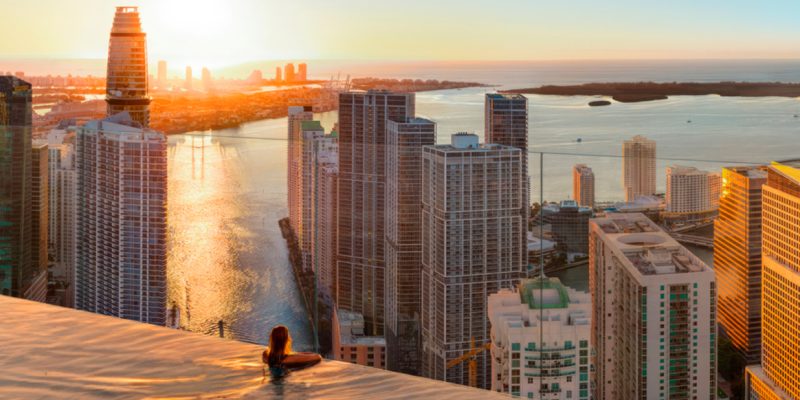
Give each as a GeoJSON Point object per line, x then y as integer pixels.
{"type": "Point", "coordinates": [195, 17]}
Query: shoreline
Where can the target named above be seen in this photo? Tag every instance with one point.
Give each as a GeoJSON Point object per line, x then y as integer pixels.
{"type": "Point", "coordinates": [634, 92]}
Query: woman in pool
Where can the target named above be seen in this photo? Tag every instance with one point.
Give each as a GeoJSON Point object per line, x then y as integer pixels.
{"type": "Point", "coordinates": [279, 357]}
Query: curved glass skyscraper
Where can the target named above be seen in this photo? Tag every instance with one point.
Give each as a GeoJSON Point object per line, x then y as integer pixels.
{"type": "Point", "coordinates": [126, 77]}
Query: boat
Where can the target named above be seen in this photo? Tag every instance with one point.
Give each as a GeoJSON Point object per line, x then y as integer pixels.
{"type": "Point", "coordinates": [579, 140]}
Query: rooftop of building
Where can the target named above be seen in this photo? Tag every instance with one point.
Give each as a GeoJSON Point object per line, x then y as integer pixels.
{"type": "Point", "coordinates": [54, 352]}
{"type": "Point", "coordinates": [536, 244]}
{"type": "Point", "coordinates": [351, 330]}
{"type": "Point", "coordinates": [505, 96]}
{"type": "Point", "coordinates": [469, 142]}
{"type": "Point", "coordinates": [646, 246]}
{"type": "Point", "coordinates": [539, 299]}
{"type": "Point", "coordinates": [750, 171]}
{"type": "Point", "coordinates": [120, 124]}
{"type": "Point", "coordinates": [542, 293]}
{"type": "Point", "coordinates": [684, 170]}
{"type": "Point", "coordinates": [311, 126]}
{"type": "Point", "coordinates": [789, 169]}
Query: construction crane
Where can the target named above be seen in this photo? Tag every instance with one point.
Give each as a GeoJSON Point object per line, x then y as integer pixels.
{"type": "Point", "coordinates": [472, 357]}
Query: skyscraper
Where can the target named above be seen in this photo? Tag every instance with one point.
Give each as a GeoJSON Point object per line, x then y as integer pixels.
{"type": "Point", "coordinates": [404, 142]}
{"type": "Point", "coordinates": [472, 217]}
{"type": "Point", "coordinates": [288, 73]}
{"type": "Point", "coordinates": [294, 168]}
{"type": "Point", "coordinates": [540, 340]}
{"type": "Point", "coordinates": [126, 77]}
{"type": "Point", "coordinates": [17, 271]}
{"type": "Point", "coordinates": [208, 84]}
{"type": "Point", "coordinates": [302, 71]}
{"type": "Point", "coordinates": [39, 220]}
{"type": "Point", "coordinates": [737, 258]}
{"type": "Point", "coordinates": [326, 183]}
{"type": "Point", "coordinates": [638, 167]}
{"type": "Point", "coordinates": [187, 83]}
{"type": "Point", "coordinates": [63, 211]}
{"type": "Point", "coordinates": [779, 373]}
{"type": "Point", "coordinates": [162, 74]}
{"type": "Point", "coordinates": [310, 133]}
{"type": "Point", "coordinates": [122, 220]}
{"type": "Point", "coordinates": [278, 77]}
{"type": "Point", "coordinates": [654, 313]}
{"type": "Point", "coordinates": [363, 119]}
{"type": "Point", "coordinates": [583, 185]}
{"type": "Point", "coordinates": [506, 123]}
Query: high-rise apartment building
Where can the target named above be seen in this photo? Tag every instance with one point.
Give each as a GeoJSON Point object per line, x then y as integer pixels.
{"type": "Point", "coordinates": [404, 142]}
{"type": "Point", "coordinates": [689, 190]}
{"type": "Point", "coordinates": [737, 258]}
{"type": "Point", "coordinates": [294, 168]}
{"type": "Point", "coordinates": [540, 340]}
{"type": "Point", "coordinates": [654, 313]}
{"type": "Point", "coordinates": [583, 185]}
{"type": "Point", "coordinates": [162, 74]}
{"type": "Point", "coordinates": [472, 217]}
{"type": "Point", "coordinates": [326, 183]}
{"type": "Point", "coordinates": [187, 82]}
{"type": "Point", "coordinates": [17, 270]}
{"type": "Point", "coordinates": [208, 83]}
{"type": "Point", "coordinates": [638, 167]}
{"type": "Point", "coordinates": [278, 77]}
{"type": "Point", "coordinates": [122, 220]}
{"type": "Point", "coordinates": [302, 72]}
{"type": "Point", "coordinates": [63, 212]}
{"type": "Point", "coordinates": [778, 376]}
{"type": "Point", "coordinates": [39, 220]}
{"type": "Point", "coordinates": [363, 118]}
{"type": "Point", "coordinates": [126, 77]}
{"type": "Point", "coordinates": [714, 190]}
{"type": "Point", "coordinates": [288, 73]}
{"type": "Point", "coordinates": [310, 133]}
{"type": "Point", "coordinates": [506, 123]}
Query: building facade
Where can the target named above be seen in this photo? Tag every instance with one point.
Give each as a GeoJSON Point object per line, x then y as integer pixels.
{"type": "Point", "coordinates": [654, 313]}
{"type": "Point", "coordinates": [780, 286]}
{"type": "Point", "coordinates": [471, 222]}
{"type": "Point", "coordinates": [126, 75]}
{"type": "Point", "coordinates": [17, 270]}
{"type": "Point", "coordinates": [63, 211]}
{"type": "Point", "coordinates": [310, 133]}
{"type": "Point", "coordinates": [351, 344]}
{"type": "Point", "coordinates": [39, 220]}
{"type": "Point", "coordinates": [404, 142]}
{"type": "Point", "coordinates": [737, 258]}
{"type": "Point", "coordinates": [363, 118]}
{"type": "Point", "coordinates": [288, 73]}
{"type": "Point", "coordinates": [122, 220]}
{"type": "Point", "coordinates": [540, 340]}
{"type": "Point", "coordinates": [638, 167]}
{"type": "Point", "coordinates": [583, 185]}
{"type": "Point", "coordinates": [324, 177]}
{"type": "Point", "coordinates": [689, 190]}
{"type": "Point", "coordinates": [570, 227]}
{"type": "Point", "coordinates": [294, 167]}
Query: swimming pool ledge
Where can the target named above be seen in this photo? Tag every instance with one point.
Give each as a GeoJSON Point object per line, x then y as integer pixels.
{"type": "Point", "coordinates": [53, 352]}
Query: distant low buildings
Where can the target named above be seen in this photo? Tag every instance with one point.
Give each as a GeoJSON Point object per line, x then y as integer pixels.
{"type": "Point", "coordinates": [288, 73]}
{"type": "Point", "coordinates": [352, 344]}
{"type": "Point", "coordinates": [541, 335]}
{"type": "Point", "coordinates": [302, 72]}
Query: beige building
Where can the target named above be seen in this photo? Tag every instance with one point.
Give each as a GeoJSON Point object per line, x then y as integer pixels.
{"type": "Point", "coordinates": [690, 190]}
{"type": "Point", "coordinates": [638, 167]}
{"type": "Point", "coordinates": [325, 211]}
{"type": "Point", "coordinates": [583, 185]}
{"type": "Point", "coordinates": [352, 344]}
{"type": "Point", "coordinates": [737, 258]}
{"type": "Point", "coordinates": [779, 373]}
{"type": "Point", "coordinates": [472, 246]}
{"type": "Point", "coordinates": [654, 313]}
{"type": "Point", "coordinates": [294, 167]}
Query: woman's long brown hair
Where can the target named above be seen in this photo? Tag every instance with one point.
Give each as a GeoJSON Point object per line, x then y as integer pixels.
{"type": "Point", "coordinates": [280, 345]}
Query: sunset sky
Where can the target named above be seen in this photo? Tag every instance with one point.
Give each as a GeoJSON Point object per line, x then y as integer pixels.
{"type": "Point", "coordinates": [219, 33]}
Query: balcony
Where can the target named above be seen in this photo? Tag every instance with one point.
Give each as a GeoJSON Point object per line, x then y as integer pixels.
{"type": "Point", "coordinates": [53, 352]}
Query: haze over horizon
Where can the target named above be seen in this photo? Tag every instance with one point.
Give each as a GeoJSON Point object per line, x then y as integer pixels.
{"type": "Point", "coordinates": [219, 34]}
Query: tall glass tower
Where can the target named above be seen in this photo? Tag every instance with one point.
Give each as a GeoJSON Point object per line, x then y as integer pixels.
{"type": "Point", "coordinates": [126, 77]}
